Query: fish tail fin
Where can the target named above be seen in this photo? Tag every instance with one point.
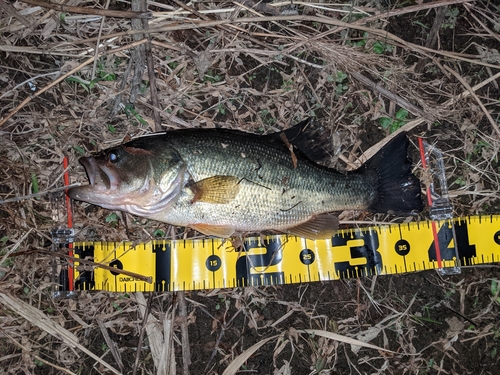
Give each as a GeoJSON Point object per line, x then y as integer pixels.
{"type": "Point", "coordinates": [398, 189]}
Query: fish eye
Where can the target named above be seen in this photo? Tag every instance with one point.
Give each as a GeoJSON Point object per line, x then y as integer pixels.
{"type": "Point", "coordinates": [113, 156]}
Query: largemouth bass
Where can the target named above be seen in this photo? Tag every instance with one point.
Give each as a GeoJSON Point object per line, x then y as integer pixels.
{"type": "Point", "coordinates": [222, 182]}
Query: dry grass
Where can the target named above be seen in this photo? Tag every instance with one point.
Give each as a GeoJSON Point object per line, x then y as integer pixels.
{"type": "Point", "coordinates": [73, 83]}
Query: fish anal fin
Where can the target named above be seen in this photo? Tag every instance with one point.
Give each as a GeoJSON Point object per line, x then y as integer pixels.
{"type": "Point", "coordinates": [214, 230]}
{"type": "Point", "coordinates": [216, 189]}
{"type": "Point", "coordinates": [319, 227]}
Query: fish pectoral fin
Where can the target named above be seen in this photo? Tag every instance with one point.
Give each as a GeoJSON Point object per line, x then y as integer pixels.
{"type": "Point", "coordinates": [318, 227]}
{"type": "Point", "coordinates": [216, 189]}
{"type": "Point", "coordinates": [214, 230]}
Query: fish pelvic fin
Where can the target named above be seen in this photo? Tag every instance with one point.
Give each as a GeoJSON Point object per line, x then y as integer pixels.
{"type": "Point", "coordinates": [397, 188]}
{"type": "Point", "coordinates": [216, 189]}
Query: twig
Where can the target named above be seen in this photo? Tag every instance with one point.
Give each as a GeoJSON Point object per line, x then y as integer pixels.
{"type": "Point", "coordinates": [28, 80]}
{"type": "Point", "coordinates": [391, 96]}
{"type": "Point", "coordinates": [64, 76]}
{"type": "Point", "coordinates": [26, 350]}
{"type": "Point", "coordinates": [40, 194]}
{"type": "Point", "coordinates": [111, 345]}
{"type": "Point", "coordinates": [148, 279]}
{"type": "Point", "coordinates": [152, 80]}
{"type": "Point", "coordinates": [196, 24]}
{"type": "Point", "coordinates": [483, 108]}
{"type": "Point", "coordinates": [186, 355]}
{"type": "Point", "coordinates": [92, 11]}
{"type": "Point", "coordinates": [10, 10]}
{"type": "Point", "coordinates": [475, 88]}
{"type": "Point", "coordinates": [14, 248]}
{"type": "Point", "coordinates": [42, 321]}
{"type": "Point", "coordinates": [143, 329]}
{"type": "Point", "coordinates": [492, 34]}
{"type": "Point", "coordinates": [410, 9]}
{"type": "Point", "coordinates": [433, 35]}
{"type": "Point", "coordinates": [375, 148]}
{"type": "Point", "coordinates": [98, 42]}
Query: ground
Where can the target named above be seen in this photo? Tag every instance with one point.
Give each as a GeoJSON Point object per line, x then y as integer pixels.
{"type": "Point", "coordinates": [361, 71]}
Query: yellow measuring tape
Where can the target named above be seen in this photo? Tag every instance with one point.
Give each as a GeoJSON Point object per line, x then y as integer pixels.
{"type": "Point", "coordinates": [214, 263]}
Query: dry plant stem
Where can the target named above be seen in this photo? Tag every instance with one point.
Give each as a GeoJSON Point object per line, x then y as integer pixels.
{"type": "Point", "coordinates": [410, 9]}
{"type": "Point", "coordinates": [224, 327]}
{"type": "Point", "coordinates": [494, 35]}
{"type": "Point", "coordinates": [152, 81]}
{"type": "Point", "coordinates": [375, 148]}
{"type": "Point", "coordinates": [155, 336]}
{"type": "Point", "coordinates": [467, 86]}
{"type": "Point", "coordinates": [14, 248]}
{"type": "Point", "coordinates": [38, 22]}
{"type": "Point", "coordinates": [236, 364]}
{"type": "Point", "coordinates": [26, 350]}
{"type": "Point", "coordinates": [28, 80]}
{"type": "Point", "coordinates": [191, 10]}
{"type": "Point", "coordinates": [96, 51]}
{"type": "Point", "coordinates": [92, 11]}
{"type": "Point", "coordinates": [241, 33]}
{"type": "Point", "coordinates": [433, 35]}
{"type": "Point", "coordinates": [40, 194]}
{"type": "Point", "coordinates": [389, 95]}
{"type": "Point", "coordinates": [10, 10]}
{"type": "Point", "coordinates": [147, 279]}
{"type": "Point", "coordinates": [42, 321]}
{"type": "Point", "coordinates": [63, 77]}
{"type": "Point", "coordinates": [186, 355]}
{"type": "Point", "coordinates": [137, 54]}
{"type": "Point", "coordinates": [172, 118]}
{"type": "Point", "coordinates": [167, 364]}
{"type": "Point", "coordinates": [475, 88]}
{"type": "Point", "coordinates": [386, 36]}
{"type": "Point", "coordinates": [141, 335]}
{"type": "Point", "coordinates": [38, 51]}
{"type": "Point", "coordinates": [111, 345]}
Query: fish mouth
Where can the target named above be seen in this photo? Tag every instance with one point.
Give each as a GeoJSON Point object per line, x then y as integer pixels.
{"type": "Point", "coordinates": [99, 175]}
{"type": "Point", "coordinates": [103, 181]}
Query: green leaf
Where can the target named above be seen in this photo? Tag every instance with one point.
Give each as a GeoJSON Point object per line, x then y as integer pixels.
{"type": "Point", "coordinates": [158, 233]}
{"type": "Point", "coordinates": [107, 76]}
{"type": "Point", "coordinates": [34, 183]}
{"type": "Point", "coordinates": [112, 218]}
{"type": "Point", "coordinates": [341, 76]}
{"type": "Point", "coordinates": [93, 83]}
{"type": "Point", "coordinates": [385, 122]}
{"type": "Point", "coordinates": [80, 151]}
{"type": "Point", "coordinates": [378, 48]}
{"type": "Point", "coordinates": [62, 18]}
{"type": "Point", "coordinates": [401, 114]}
{"type": "Point", "coordinates": [80, 81]}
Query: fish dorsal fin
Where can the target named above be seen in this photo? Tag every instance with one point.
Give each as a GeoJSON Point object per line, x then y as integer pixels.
{"type": "Point", "coordinates": [214, 230]}
{"type": "Point", "coordinates": [319, 227]}
{"type": "Point", "coordinates": [309, 138]}
{"type": "Point", "coordinates": [216, 189]}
